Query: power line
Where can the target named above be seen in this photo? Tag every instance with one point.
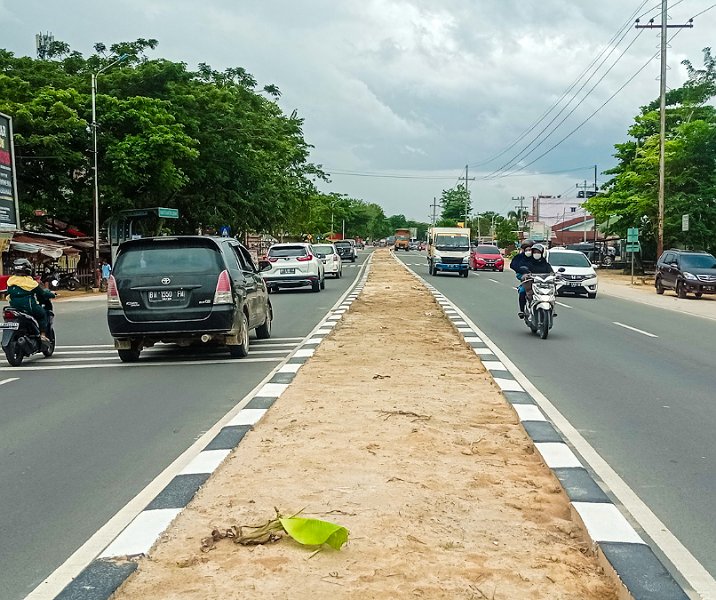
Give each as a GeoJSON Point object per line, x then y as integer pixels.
{"type": "Point", "coordinates": [522, 155]}
{"type": "Point", "coordinates": [442, 177]}
{"type": "Point", "coordinates": [624, 28]}
{"type": "Point", "coordinates": [589, 118]}
{"type": "Point", "coordinates": [702, 12]}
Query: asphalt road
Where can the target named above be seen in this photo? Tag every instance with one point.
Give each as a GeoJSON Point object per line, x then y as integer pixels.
{"type": "Point", "coordinates": [81, 433]}
{"type": "Point", "coordinates": [646, 404]}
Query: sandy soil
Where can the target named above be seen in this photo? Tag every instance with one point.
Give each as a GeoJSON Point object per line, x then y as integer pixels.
{"type": "Point", "coordinates": [453, 503]}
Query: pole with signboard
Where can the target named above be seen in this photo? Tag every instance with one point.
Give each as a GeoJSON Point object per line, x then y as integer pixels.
{"type": "Point", "coordinates": [632, 247]}
{"type": "Point", "coordinates": [9, 206]}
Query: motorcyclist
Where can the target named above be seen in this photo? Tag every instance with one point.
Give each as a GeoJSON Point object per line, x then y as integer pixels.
{"type": "Point", "coordinates": [521, 259]}
{"type": "Point", "coordinates": [27, 295]}
{"type": "Point", "coordinates": [536, 263]}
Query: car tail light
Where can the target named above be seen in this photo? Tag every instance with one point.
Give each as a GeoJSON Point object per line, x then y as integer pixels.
{"type": "Point", "coordinates": [113, 300]}
{"type": "Point", "coordinates": [336, 257]}
{"type": "Point", "coordinates": [8, 314]}
{"type": "Point", "coordinates": [305, 258]}
{"type": "Point", "coordinates": [272, 259]}
{"type": "Point", "coordinates": [223, 294]}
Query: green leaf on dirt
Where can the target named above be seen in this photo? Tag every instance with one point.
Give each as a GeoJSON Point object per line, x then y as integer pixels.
{"type": "Point", "coordinates": [314, 532]}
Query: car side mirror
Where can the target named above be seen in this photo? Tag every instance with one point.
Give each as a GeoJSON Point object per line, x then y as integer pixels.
{"type": "Point", "coordinates": [264, 265]}
{"type": "Point", "coordinates": [561, 270]}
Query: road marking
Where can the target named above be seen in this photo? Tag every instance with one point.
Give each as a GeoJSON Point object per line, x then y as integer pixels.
{"type": "Point", "coordinates": [685, 562]}
{"type": "Point", "coordinates": [565, 305]}
{"type": "Point", "coordinates": [635, 329]}
{"type": "Point", "coordinates": [4, 381]}
{"type": "Point", "coordinates": [495, 281]}
{"type": "Point", "coordinates": [226, 361]}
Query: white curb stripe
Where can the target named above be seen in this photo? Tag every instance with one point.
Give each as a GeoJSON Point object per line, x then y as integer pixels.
{"type": "Point", "coordinates": [508, 385]}
{"type": "Point", "coordinates": [205, 462]}
{"type": "Point", "coordinates": [557, 455]}
{"type": "Point", "coordinates": [140, 534]}
{"type": "Point", "coordinates": [272, 390]}
{"type": "Point", "coordinates": [482, 351]}
{"type": "Point", "coordinates": [605, 523]}
{"type": "Point", "coordinates": [290, 368]}
{"type": "Point", "coordinates": [248, 416]}
{"type": "Point", "coordinates": [528, 412]}
{"type": "Point", "coordinates": [304, 353]}
{"type": "Point", "coordinates": [494, 365]}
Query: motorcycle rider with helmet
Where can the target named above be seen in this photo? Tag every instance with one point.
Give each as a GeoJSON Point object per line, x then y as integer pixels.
{"type": "Point", "coordinates": [521, 260]}
{"type": "Point", "coordinates": [27, 295]}
{"type": "Point", "coordinates": [537, 264]}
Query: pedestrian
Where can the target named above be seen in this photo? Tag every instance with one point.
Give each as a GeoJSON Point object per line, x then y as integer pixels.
{"type": "Point", "coordinates": [106, 272]}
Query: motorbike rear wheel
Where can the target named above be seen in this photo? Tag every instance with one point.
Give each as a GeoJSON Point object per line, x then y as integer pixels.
{"type": "Point", "coordinates": [542, 324]}
{"type": "Point", "coordinates": [14, 353]}
{"type": "Point", "coordinates": [72, 284]}
{"type": "Point", "coordinates": [51, 350]}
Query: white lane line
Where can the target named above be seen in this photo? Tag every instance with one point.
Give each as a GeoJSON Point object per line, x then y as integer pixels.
{"type": "Point", "coordinates": [4, 381]}
{"type": "Point", "coordinates": [185, 363]}
{"type": "Point", "coordinates": [635, 329]}
{"type": "Point", "coordinates": [565, 305]}
{"type": "Point", "coordinates": [269, 342]}
{"type": "Point", "coordinates": [685, 562]}
{"type": "Point", "coordinates": [495, 281]}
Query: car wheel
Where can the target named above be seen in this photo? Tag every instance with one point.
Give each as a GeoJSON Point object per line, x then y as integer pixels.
{"type": "Point", "coordinates": [241, 350]}
{"type": "Point", "coordinates": [316, 286]}
{"type": "Point", "coordinates": [680, 290]}
{"type": "Point", "coordinates": [263, 332]}
{"type": "Point", "coordinates": [129, 355]}
{"type": "Point", "coordinates": [592, 295]}
{"type": "Point", "coordinates": [353, 259]}
{"type": "Point", "coordinates": [659, 286]}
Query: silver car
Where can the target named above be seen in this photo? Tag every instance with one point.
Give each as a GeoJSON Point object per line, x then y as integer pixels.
{"type": "Point", "coordinates": [293, 265]}
{"type": "Point", "coordinates": [332, 263]}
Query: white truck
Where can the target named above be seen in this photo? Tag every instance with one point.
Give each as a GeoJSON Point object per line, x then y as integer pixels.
{"type": "Point", "coordinates": [449, 250]}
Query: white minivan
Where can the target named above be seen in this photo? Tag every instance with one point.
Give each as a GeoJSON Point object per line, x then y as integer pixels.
{"type": "Point", "coordinates": [579, 275]}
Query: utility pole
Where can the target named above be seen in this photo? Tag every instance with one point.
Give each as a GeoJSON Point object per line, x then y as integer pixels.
{"type": "Point", "coordinates": [467, 193]}
{"type": "Point", "coordinates": [434, 206]}
{"type": "Point", "coordinates": [663, 26]}
{"type": "Point", "coordinates": [584, 187]}
{"type": "Point", "coordinates": [520, 208]}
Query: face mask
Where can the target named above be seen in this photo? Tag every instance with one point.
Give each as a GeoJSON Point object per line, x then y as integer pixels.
{"type": "Point", "coordinates": [537, 255]}
{"type": "Point", "coordinates": [528, 253]}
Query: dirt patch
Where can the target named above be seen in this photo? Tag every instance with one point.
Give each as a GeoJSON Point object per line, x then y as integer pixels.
{"type": "Point", "coordinates": [450, 502]}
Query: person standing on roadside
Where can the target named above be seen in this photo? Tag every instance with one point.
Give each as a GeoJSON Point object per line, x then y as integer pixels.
{"type": "Point", "coordinates": [106, 272]}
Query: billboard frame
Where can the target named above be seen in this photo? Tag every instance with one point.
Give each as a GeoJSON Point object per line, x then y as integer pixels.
{"type": "Point", "coordinates": [13, 174]}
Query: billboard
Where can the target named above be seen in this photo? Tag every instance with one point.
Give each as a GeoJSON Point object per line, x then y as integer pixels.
{"type": "Point", "coordinates": [9, 210]}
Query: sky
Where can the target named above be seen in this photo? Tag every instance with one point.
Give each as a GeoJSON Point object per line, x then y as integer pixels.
{"type": "Point", "coordinates": [398, 96]}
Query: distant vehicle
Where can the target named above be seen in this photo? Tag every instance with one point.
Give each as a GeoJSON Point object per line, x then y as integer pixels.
{"type": "Point", "coordinates": [402, 239]}
{"type": "Point", "coordinates": [578, 273]}
{"type": "Point", "coordinates": [449, 250]}
{"type": "Point", "coordinates": [485, 257]}
{"type": "Point", "coordinates": [332, 263]}
{"type": "Point", "coordinates": [414, 245]}
{"type": "Point", "coordinates": [686, 272]}
{"type": "Point", "coordinates": [293, 265]}
{"type": "Point", "coordinates": [185, 290]}
{"type": "Point", "coordinates": [346, 249]}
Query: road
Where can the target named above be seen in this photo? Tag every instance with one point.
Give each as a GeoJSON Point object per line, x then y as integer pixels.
{"type": "Point", "coordinates": [645, 404]}
{"type": "Point", "coordinates": [81, 433]}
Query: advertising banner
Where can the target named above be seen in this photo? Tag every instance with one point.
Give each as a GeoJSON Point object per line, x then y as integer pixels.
{"type": "Point", "coordinates": [9, 213]}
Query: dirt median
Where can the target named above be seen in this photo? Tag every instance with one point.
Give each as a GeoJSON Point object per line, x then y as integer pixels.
{"type": "Point", "coordinates": [395, 430]}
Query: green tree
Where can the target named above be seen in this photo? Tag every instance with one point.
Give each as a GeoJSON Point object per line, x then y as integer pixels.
{"type": "Point", "coordinates": [455, 205]}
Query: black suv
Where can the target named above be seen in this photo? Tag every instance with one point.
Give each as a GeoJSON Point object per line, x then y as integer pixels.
{"type": "Point", "coordinates": [186, 290]}
{"type": "Point", "coordinates": [346, 249]}
{"type": "Point", "coordinates": [684, 271]}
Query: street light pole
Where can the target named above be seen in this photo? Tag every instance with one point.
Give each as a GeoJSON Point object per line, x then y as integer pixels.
{"type": "Point", "coordinates": [95, 161]}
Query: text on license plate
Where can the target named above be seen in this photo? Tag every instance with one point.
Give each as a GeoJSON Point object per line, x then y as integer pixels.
{"type": "Point", "coordinates": [167, 295]}
{"type": "Point", "coordinates": [287, 271]}
{"type": "Point", "coordinates": [575, 283]}
{"type": "Point", "coordinates": [10, 325]}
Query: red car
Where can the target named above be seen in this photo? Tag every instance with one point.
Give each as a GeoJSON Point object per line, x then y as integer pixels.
{"type": "Point", "coordinates": [484, 257]}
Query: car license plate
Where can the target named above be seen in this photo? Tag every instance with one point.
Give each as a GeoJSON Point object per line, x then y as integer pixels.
{"type": "Point", "coordinates": [575, 283]}
{"type": "Point", "coordinates": [323, 261]}
{"type": "Point", "coordinates": [167, 295]}
{"type": "Point", "coordinates": [287, 271]}
{"type": "Point", "coordinates": [10, 325]}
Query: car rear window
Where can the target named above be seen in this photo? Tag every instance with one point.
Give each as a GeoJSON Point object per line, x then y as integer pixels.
{"type": "Point", "coordinates": [168, 257]}
{"type": "Point", "coordinates": [287, 251]}
{"type": "Point", "coordinates": [342, 243]}
{"type": "Point", "coordinates": [323, 249]}
{"type": "Point", "coordinates": [487, 250]}
{"type": "Point", "coordinates": [567, 259]}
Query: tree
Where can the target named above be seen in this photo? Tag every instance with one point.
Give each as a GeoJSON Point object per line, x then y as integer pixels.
{"type": "Point", "coordinates": [455, 204]}
{"type": "Point", "coordinates": [630, 198]}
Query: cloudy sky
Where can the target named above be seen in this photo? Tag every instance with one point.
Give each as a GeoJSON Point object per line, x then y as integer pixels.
{"type": "Point", "coordinates": [399, 95]}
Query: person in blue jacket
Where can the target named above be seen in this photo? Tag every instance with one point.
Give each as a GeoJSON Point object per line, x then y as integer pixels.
{"type": "Point", "coordinates": [522, 259]}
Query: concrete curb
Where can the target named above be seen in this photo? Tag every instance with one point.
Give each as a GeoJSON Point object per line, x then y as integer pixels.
{"type": "Point", "coordinates": [619, 547]}
{"type": "Point", "coordinates": [110, 569]}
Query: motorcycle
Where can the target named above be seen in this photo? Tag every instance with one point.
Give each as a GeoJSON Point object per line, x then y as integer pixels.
{"type": "Point", "coordinates": [541, 289]}
{"type": "Point", "coordinates": [56, 280]}
{"type": "Point", "coordinates": [21, 335]}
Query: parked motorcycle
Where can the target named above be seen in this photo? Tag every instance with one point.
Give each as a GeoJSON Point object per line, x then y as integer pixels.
{"type": "Point", "coordinates": [21, 335]}
{"type": "Point", "coordinates": [541, 289]}
{"type": "Point", "coordinates": [56, 280]}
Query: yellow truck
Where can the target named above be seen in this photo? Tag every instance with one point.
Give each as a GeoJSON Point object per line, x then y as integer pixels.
{"type": "Point", "coordinates": [402, 239]}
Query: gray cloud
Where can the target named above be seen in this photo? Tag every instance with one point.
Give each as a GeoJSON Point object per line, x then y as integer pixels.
{"type": "Point", "coordinates": [407, 86]}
